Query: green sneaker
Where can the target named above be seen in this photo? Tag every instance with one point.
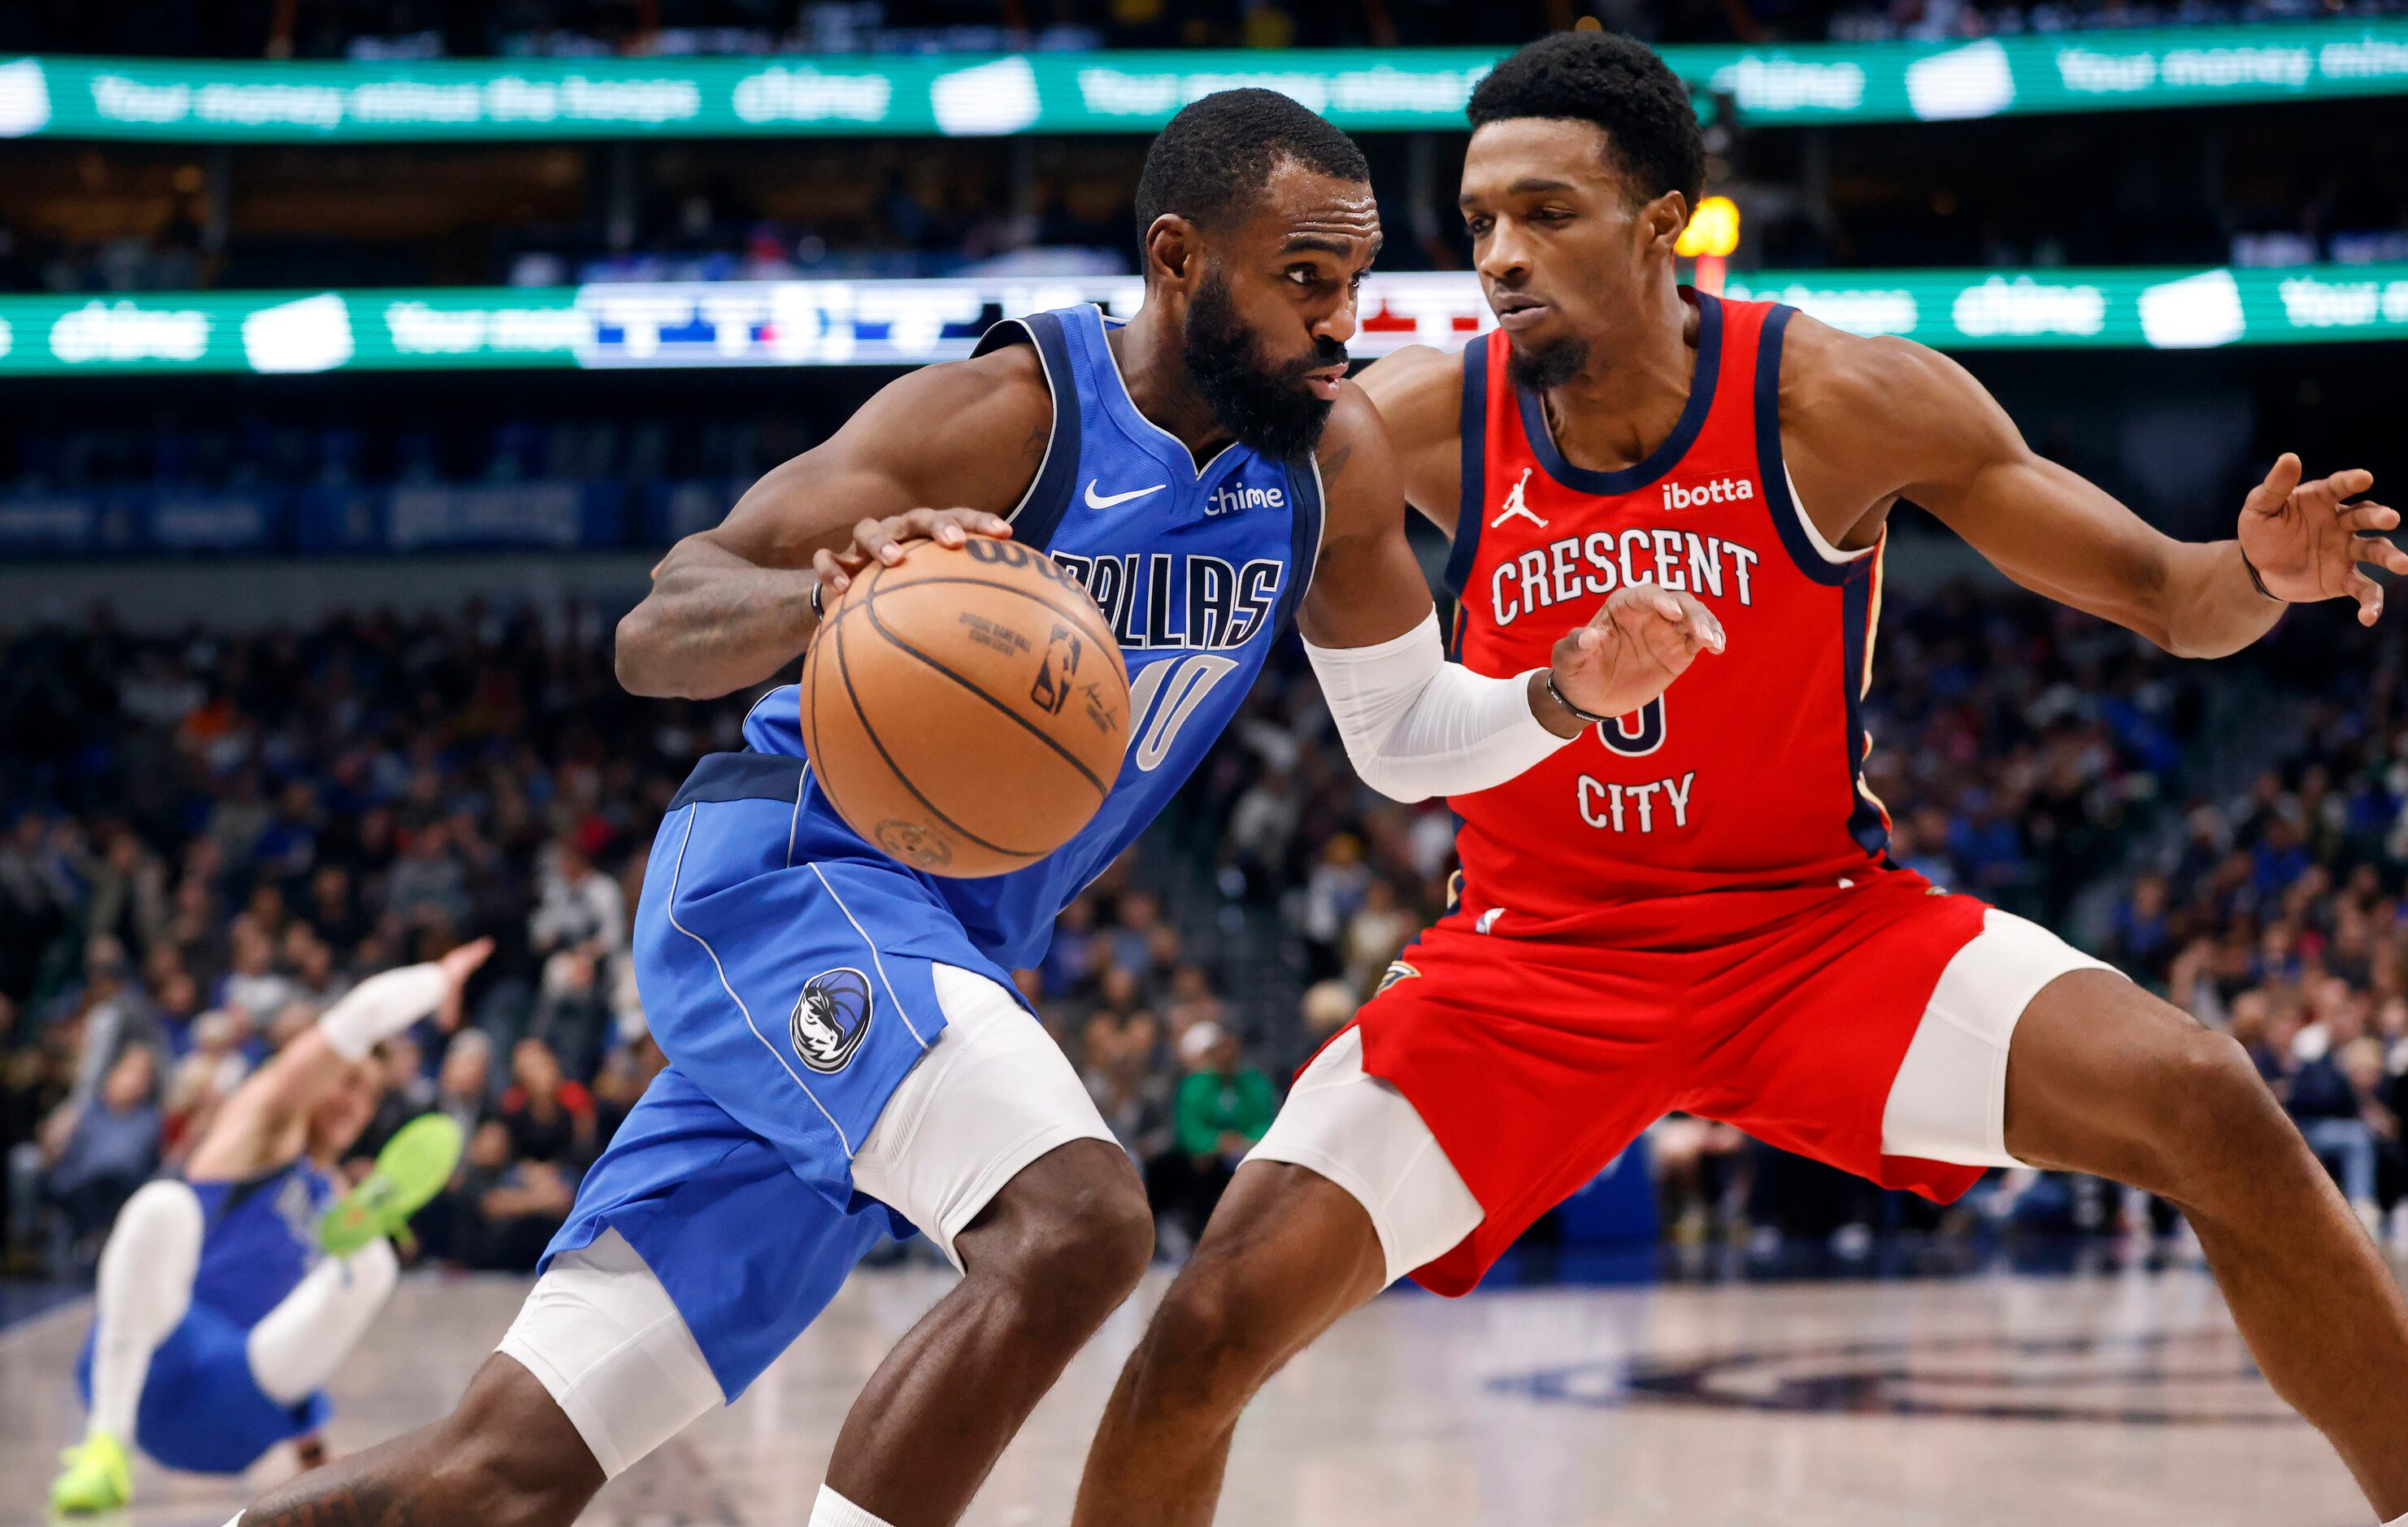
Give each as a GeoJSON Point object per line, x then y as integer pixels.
{"type": "Point", "coordinates": [95, 1478]}
{"type": "Point", "coordinates": [412, 1168]}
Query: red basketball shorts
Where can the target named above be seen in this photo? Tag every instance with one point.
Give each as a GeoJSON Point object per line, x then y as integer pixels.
{"type": "Point", "coordinates": [1866, 1025]}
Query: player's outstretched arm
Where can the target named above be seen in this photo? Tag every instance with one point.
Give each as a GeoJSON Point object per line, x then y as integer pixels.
{"type": "Point", "coordinates": [938, 454]}
{"type": "Point", "coordinates": [1868, 422]}
{"type": "Point", "coordinates": [297, 1076]}
{"type": "Point", "coordinates": [1415, 725]}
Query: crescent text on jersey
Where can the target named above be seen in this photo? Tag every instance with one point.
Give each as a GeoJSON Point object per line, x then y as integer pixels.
{"type": "Point", "coordinates": [1584, 568]}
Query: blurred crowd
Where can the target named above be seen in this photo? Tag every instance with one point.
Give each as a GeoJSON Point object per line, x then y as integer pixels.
{"type": "Point", "coordinates": [209, 836]}
{"type": "Point", "coordinates": [409, 29]}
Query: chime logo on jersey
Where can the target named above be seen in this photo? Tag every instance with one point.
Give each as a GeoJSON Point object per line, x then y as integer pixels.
{"type": "Point", "coordinates": [830, 1018]}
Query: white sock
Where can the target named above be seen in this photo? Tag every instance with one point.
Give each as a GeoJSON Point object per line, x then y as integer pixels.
{"type": "Point", "coordinates": [145, 1286]}
{"type": "Point", "coordinates": [298, 1346]}
{"type": "Point", "coordinates": [380, 1007]}
{"type": "Point", "coordinates": [833, 1510]}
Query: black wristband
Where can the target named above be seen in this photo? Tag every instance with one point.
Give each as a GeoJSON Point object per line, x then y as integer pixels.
{"type": "Point", "coordinates": [2255, 579]}
{"type": "Point", "coordinates": [1588, 717]}
{"type": "Point", "coordinates": [817, 612]}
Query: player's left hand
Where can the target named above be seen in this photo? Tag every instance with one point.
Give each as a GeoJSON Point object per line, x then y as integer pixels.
{"type": "Point", "coordinates": [1632, 649]}
{"type": "Point", "coordinates": [2306, 542]}
{"type": "Point", "coordinates": [457, 967]}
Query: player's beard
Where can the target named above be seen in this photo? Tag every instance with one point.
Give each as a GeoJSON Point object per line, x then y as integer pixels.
{"type": "Point", "coordinates": [1261, 401]}
{"type": "Point", "coordinates": [1547, 367]}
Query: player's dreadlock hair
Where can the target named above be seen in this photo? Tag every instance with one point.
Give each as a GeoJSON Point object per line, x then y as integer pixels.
{"type": "Point", "coordinates": [1214, 158]}
{"type": "Point", "coordinates": [1621, 86]}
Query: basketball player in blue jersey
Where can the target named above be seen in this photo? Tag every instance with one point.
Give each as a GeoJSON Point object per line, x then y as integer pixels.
{"type": "Point", "coordinates": [848, 1058]}
{"type": "Point", "coordinates": [228, 1298]}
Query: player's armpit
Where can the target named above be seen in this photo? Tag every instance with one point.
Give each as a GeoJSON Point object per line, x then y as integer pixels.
{"type": "Point", "coordinates": [1418, 392]}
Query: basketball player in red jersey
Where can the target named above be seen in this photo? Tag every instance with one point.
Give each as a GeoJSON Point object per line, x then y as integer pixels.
{"type": "Point", "coordinates": [1690, 907]}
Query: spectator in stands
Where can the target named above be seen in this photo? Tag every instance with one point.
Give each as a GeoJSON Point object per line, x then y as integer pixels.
{"type": "Point", "coordinates": [463, 1086]}
{"type": "Point", "coordinates": [1223, 1106]}
{"type": "Point", "coordinates": [579, 929]}
{"type": "Point", "coordinates": [548, 1118]}
{"type": "Point", "coordinates": [254, 984]}
{"type": "Point", "coordinates": [99, 1151]}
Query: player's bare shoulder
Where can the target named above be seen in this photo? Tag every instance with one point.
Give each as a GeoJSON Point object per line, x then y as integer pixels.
{"type": "Point", "coordinates": [1419, 394]}
{"type": "Point", "coordinates": [991, 415]}
{"type": "Point", "coordinates": [968, 434]}
{"type": "Point", "coordinates": [1862, 417]}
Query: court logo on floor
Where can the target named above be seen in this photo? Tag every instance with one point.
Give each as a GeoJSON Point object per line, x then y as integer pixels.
{"type": "Point", "coordinates": [830, 1018]}
{"type": "Point", "coordinates": [2191, 1379]}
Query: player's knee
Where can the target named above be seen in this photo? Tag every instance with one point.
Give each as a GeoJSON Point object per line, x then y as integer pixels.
{"type": "Point", "coordinates": [1088, 1249]}
{"type": "Point", "coordinates": [509, 1448]}
{"type": "Point", "coordinates": [2207, 1113]}
{"type": "Point", "coordinates": [1214, 1340]}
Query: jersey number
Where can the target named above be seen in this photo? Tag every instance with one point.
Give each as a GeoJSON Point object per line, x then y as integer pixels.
{"type": "Point", "coordinates": [1164, 696]}
{"type": "Point", "coordinates": [1638, 734]}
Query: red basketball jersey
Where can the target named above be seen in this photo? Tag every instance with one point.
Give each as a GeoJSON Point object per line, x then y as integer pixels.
{"type": "Point", "coordinates": [1747, 774]}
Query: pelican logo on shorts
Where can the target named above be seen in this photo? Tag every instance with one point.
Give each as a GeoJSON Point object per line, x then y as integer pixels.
{"type": "Point", "coordinates": [1397, 971]}
{"type": "Point", "coordinates": [831, 1017]}
{"type": "Point", "coordinates": [1052, 690]}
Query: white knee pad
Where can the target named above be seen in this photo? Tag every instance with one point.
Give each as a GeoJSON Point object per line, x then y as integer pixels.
{"type": "Point", "coordinates": [606, 1341]}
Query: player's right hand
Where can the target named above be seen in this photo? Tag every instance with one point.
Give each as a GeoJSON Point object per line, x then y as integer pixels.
{"type": "Point", "coordinates": [884, 540]}
{"type": "Point", "coordinates": [1632, 649]}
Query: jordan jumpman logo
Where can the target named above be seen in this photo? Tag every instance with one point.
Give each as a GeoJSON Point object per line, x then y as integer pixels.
{"type": "Point", "coordinates": [1513, 505]}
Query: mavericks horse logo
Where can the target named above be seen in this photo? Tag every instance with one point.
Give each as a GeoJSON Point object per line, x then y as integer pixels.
{"type": "Point", "coordinates": [830, 1018]}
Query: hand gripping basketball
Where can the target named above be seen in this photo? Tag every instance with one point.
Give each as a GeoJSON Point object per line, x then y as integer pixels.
{"type": "Point", "coordinates": [1632, 649]}
{"type": "Point", "coordinates": [964, 708]}
{"type": "Point", "coordinates": [884, 540]}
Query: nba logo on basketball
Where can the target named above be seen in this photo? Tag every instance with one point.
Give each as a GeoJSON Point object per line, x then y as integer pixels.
{"type": "Point", "coordinates": [830, 1019]}
{"type": "Point", "coordinates": [1054, 675]}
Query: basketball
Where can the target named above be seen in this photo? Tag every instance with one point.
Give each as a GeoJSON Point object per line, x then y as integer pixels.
{"type": "Point", "coordinates": [966, 709]}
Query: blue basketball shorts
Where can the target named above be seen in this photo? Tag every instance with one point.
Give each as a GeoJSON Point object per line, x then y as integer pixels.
{"type": "Point", "coordinates": [202, 1410]}
{"type": "Point", "coordinates": [845, 1066]}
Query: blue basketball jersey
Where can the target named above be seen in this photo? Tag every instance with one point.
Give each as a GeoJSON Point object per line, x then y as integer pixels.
{"type": "Point", "coordinates": [262, 1237]}
{"type": "Point", "coordinates": [1198, 571]}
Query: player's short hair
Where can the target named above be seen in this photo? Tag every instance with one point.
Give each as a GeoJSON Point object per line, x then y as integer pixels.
{"type": "Point", "coordinates": [1212, 160]}
{"type": "Point", "coordinates": [1651, 128]}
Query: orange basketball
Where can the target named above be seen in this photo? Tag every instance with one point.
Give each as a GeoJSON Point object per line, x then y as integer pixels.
{"type": "Point", "coordinates": [966, 709]}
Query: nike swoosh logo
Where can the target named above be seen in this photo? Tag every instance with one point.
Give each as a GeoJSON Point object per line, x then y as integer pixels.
{"type": "Point", "coordinates": [1107, 500]}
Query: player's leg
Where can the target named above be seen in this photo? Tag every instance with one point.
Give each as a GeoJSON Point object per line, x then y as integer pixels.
{"type": "Point", "coordinates": [2104, 1079]}
{"type": "Point", "coordinates": [144, 1285]}
{"type": "Point", "coordinates": [299, 1345]}
{"type": "Point", "coordinates": [143, 1291]}
{"type": "Point", "coordinates": [1348, 1192]}
{"type": "Point", "coordinates": [603, 1365]}
{"type": "Point", "coordinates": [144, 1288]}
{"type": "Point", "coordinates": [508, 1455]}
{"type": "Point", "coordinates": [993, 1147]}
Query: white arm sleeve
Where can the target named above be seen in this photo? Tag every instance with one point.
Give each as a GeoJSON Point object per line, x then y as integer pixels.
{"type": "Point", "coordinates": [380, 1007]}
{"type": "Point", "coordinates": [1417, 725]}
